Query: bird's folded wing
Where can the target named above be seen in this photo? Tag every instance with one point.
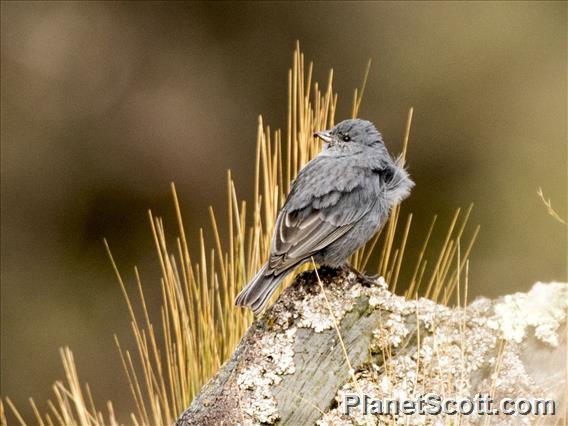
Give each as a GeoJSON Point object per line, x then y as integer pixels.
{"type": "Point", "coordinates": [299, 234]}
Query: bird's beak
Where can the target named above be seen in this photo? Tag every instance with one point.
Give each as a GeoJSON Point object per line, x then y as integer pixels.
{"type": "Point", "coordinates": [325, 136]}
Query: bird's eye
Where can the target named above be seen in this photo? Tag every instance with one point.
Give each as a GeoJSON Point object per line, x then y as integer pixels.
{"type": "Point", "coordinates": [346, 138]}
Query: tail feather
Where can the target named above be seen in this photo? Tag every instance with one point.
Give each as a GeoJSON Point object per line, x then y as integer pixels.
{"type": "Point", "coordinates": [258, 291]}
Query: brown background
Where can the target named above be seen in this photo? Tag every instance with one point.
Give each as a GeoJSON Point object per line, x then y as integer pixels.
{"type": "Point", "coordinates": [103, 104]}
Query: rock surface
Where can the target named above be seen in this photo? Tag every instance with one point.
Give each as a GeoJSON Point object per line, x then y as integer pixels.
{"type": "Point", "coordinates": [291, 367]}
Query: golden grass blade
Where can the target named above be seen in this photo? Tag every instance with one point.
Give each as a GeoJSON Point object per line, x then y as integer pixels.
{"type": "Point", "coordinates": [412, 290]}
{"type": "Point", "coordinates": [358, 98]}
{"type": "Point", "coordinates": [336, 326]}
{"type": "Point", "coordinates": [402, 248]}
{"type": "Point", "coordinates": [37, 414]}
{"type": "Point", "coordinates": [15, 411]}
{"type": "Point", "coordinates": [548, 205]}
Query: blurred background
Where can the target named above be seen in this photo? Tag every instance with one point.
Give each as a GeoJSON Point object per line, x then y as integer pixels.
{"type": "Point", "coordinates": [104, 104]}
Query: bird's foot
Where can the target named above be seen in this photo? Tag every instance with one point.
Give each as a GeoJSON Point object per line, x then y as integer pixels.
{"type": "Point", "coordinates": [365, 279]}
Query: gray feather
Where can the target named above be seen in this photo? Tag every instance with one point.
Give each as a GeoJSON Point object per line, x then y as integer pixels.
{"type": "Point", "coordinates": [335, 205]}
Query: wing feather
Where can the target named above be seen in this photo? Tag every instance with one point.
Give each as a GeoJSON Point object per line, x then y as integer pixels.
{"type": "Point", "coordinates": [301, 233]}
{"type": "Point", "coordinates": [327, 199]}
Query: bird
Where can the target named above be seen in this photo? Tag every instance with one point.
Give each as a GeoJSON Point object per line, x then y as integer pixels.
{"type": "Point", "coordinates": [336, 203]}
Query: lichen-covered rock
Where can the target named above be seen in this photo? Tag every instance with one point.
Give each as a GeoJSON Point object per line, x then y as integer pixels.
{"type": "Point", "coordinates": [543, 308]}
{"type": "Point", "coordinates": [275, 358]}
{"type": "Point", "coordinates": [465, 352]}
{"type": "Point", "coordinates": [291, 367]}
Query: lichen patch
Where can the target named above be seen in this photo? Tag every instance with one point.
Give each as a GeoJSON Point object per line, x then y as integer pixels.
{"type": "Point", "coordinates": [272, 356]}
{"type": "Point", "coordinates": [542, 308]}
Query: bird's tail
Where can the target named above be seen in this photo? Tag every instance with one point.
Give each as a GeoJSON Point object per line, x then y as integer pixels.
{"type": "Point", "coordinates": [258, 291]}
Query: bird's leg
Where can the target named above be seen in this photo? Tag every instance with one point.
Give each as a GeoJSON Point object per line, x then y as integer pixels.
{"type": "Point", "coordinates": [365, 279]}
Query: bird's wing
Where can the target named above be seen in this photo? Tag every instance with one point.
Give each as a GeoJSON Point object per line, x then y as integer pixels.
{"type": "Point", "coordinates": [316, 214]}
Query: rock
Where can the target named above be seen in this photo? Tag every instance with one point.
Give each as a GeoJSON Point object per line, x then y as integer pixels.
{"type": "Point", "coordinates": [291, 366]}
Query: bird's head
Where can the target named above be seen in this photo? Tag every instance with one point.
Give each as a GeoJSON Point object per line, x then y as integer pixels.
{"type": "Point", "coordinates": [352, 131]}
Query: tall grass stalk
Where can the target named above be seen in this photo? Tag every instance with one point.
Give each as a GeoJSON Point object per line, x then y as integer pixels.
{"type": "Point", "coordinates": [198, 323]}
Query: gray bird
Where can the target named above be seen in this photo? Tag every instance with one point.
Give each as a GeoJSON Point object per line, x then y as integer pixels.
{"type": "Point", "coordinates": [336, 204]}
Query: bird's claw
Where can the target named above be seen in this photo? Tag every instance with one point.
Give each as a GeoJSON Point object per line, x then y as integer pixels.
{"type": "Point", "coordinates": [366, 280]}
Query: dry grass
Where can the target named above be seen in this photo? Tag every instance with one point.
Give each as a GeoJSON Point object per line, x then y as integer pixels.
{"type": "Point", "coordinates": [199, 324]}
{"type": "Point", "coordinates": [548, 205]}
